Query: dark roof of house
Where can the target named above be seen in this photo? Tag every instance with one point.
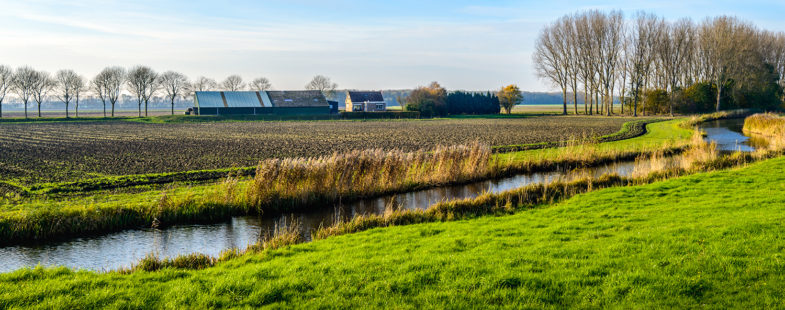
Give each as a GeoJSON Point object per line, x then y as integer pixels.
{"type": "Point", "coordinates": [363, 96]}
{"type": "Point", "coordinates": [297, 98]}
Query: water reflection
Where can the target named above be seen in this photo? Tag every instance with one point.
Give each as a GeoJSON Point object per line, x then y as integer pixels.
{"type": "Point", "coordinates": [121, 249]}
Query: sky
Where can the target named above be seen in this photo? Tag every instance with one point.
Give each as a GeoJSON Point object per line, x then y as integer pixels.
{"type": "Point", "coordinates": [470, 45]}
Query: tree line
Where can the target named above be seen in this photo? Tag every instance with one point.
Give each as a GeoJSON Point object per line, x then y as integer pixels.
{"type": "Point", "coordinates": [652, 65]}
{"type": "Point", "coordinates": [435, 100]}
{"type": "Point", "coordinates": [66, 86]}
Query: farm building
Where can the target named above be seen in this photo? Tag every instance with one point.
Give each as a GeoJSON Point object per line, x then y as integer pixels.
{"type": "Point", "coordinates": [260, 102]}
{"type": "Point", "coordinates": [365, 101]}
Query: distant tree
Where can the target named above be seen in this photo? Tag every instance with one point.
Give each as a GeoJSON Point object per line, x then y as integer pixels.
{"type": "Point", "coordinates": [429, 101]}
{"type": "Point", "coordinates": [142, 82]}
{"type": "Point", "coordinates": [108, 85]}
{"type": "Point", "coordinates": [6, 83]}
{"type": "Point", "coordinates": [260, 84]}
{"type": "Point", "coordinates": [233, 83]}
{"type": "Point", "coordinates": [174, 84]}
{"type": "Point", "coordinates": [322, 84]}
{"type": "Point", "coordinates": [401, 100]}
{"type": "Point", "coordinates": [25, 80]}
{"type": "Point", "coordinates": [204, 84]}
{"type": "Point", "coordinates": [67, 82]}
{"type": "Point", "coordinates": [509, 96]}
{"type": "Point", "coordinates": [44, 83]}
{"type": "Point", "coordinates": [80, 86]}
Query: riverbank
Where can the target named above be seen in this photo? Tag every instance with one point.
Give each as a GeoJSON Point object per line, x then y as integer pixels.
{"type": "Point", "coordinates": [703, 239]}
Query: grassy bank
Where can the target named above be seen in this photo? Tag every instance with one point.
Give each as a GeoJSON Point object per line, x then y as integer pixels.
{"type": "Point", "coordinates": [711, 239]}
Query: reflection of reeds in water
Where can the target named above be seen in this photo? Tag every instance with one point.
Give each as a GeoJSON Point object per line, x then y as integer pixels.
{"type": "Point", "coordinates": [645, 165]}
{"type": "Point", "coordinates": [284, 233]}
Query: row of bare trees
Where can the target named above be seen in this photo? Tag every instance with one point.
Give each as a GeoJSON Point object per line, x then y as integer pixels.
{"type": "Point", "coordinates": [66, 86]}
{"type": "Point", "coordinates": [606, 57]}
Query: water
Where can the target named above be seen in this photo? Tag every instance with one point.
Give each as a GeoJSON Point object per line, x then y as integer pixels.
{"type": "Point", "coordinates": [121, 249]}
{"type": "Point", "coordinates": [728, 135]}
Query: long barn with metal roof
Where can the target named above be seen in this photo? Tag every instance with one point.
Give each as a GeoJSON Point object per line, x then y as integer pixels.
{"type": "Point", "coordinates": [260, 102]}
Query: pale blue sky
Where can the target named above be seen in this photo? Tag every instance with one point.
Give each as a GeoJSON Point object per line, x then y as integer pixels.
{"type": "Point", "coordinates": [472, 45]}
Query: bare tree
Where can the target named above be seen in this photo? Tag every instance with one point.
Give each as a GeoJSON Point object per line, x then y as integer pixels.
{"type": "Point", "coordinates": [260, 84]}
{"type": "Point", "coordinates": [641, 42]}
{"type": "Point", "coordinates": [6, 83]}
{"type": "Point", "coordinates": [774, 54]}
{"type": "Point", "coordinates": [67, 82]}
{"type": "Point", "coordinates": [233, 83]}
{"type": "Point", "coordinates": [585, 59]}
{"type": "Point", "coordinates": [322, 84]}
{"type": "Point", "coordinates": [174, 84]}
{"type": "Point", "coordinates": [80, 86]}
{"type": "Point", "coordinates": [572, 58]}
{"type": "Point", "coordinates": [142, 82]}
{"type": "Point", "coordinates": [25, 80]}
{"type": "Point", "coordinates": [204, 84]}
{"type": "Point", "coordinates": [108, 85]}
{"type": "Point", "coordinates": [551, 57]}
{"type": "Point", "coordinates": [612, 26]}
{"type": "Point", "coordinates": [722, 44]}
{"type": "Point", "coordinates": [673, 50]}
{"type": "Point", "coordinates": [42, 86]}
{"type": "Point", "coordinates": [624, 69]}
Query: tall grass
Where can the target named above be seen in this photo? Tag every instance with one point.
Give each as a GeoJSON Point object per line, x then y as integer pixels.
{"type": "Point", "coordinates": [769, 125]}
{"type": "Point", "coordinates": [286, 184]}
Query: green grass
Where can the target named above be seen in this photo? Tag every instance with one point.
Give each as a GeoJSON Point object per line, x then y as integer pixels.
{"type": "Point", "coordinates": [658, 135]}
{"type": "Point", "coordinates": [706, 240]}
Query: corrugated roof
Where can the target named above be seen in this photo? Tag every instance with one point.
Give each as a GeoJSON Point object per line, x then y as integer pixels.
{"type": "Point", "coordinates": [241, 99]}
{"type": "Point", "coordinates": [209, 99]}
{"type": "Point", "coordinates": [297, 98]}
{"type": "Point", "coordinates": [363, 96]}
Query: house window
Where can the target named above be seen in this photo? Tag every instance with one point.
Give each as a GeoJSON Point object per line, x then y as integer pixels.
{"type": "Point", "coordinates": [380, 107]}
{"type": "Point", "coordinates": [358, 107]}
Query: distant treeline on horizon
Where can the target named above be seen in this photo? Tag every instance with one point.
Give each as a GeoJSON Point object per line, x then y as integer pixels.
{"type": "Point", "coordinates": [529, 98]}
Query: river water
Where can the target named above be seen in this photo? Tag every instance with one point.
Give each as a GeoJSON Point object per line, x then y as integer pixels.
{"type": "Point", "coordinates": [122, 249]}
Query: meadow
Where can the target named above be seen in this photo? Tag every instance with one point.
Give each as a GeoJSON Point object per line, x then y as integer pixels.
{"type": "Point", "coordinates": [40, 152]}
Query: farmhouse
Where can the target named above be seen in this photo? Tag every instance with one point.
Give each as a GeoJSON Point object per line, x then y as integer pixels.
{"type": "Point", "coordinates": [260, 102]}
{"type": "Point", "coordinates": [365, 101]}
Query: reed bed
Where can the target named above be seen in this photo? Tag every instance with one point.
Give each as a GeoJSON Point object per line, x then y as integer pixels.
{"type": "Point", "coordinates": [290, 184]}
{"type": "Point", "coordinates": [769, 125]}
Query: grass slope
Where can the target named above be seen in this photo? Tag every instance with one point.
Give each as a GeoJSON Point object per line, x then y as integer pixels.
{"type": "Point", "coordinates": [712, 239]}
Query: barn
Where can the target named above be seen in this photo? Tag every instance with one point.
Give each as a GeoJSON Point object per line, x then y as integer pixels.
{"type": "Point", "coordinates": [297, 102]}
